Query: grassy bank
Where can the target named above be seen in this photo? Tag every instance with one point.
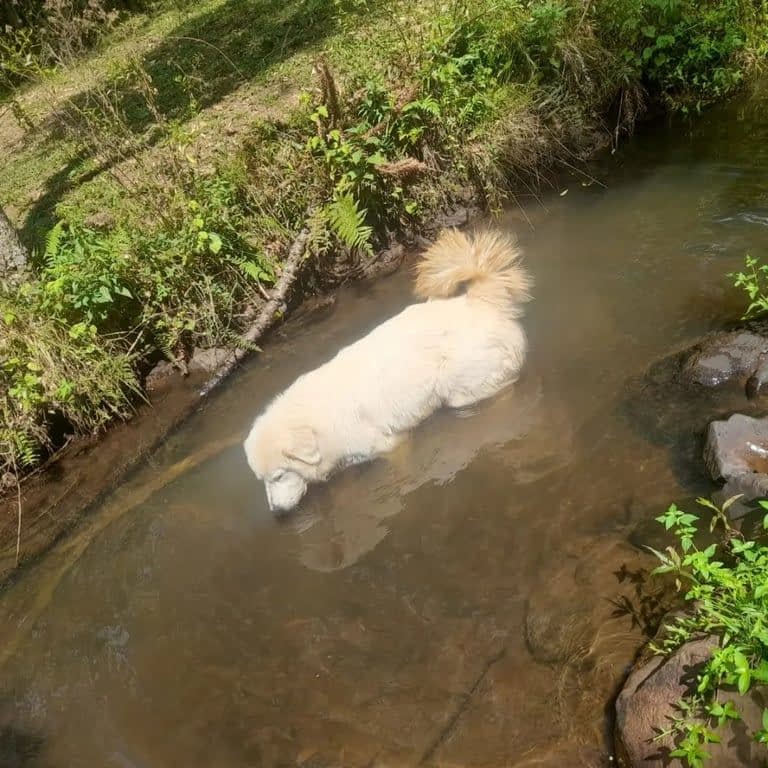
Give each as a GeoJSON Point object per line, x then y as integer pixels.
{"type": "Point", "coordinates": [162, 176]}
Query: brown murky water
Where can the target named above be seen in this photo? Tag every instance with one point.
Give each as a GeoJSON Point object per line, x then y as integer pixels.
{"type": "Point", "coordinates": [468, 603]}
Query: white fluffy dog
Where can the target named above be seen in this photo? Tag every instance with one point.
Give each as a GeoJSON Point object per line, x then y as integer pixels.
{"type": "Point", "coordinates": [461, 346]}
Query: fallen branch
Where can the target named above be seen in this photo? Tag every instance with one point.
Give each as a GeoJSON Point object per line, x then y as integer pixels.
{"type": "Point", "coordinates": [269, 312]}
{"type": "Point", "coordinates": [18, 520]}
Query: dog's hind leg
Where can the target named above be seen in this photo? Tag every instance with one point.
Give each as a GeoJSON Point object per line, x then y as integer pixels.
{"type": "Point", "coordinates": [464, 398]}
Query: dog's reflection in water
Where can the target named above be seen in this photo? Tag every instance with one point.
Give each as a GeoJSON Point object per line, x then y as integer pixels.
{"type": "Point", "coordinates": [344, 519]}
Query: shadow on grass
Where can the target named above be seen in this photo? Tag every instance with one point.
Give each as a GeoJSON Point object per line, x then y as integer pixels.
{"type": "Point", "coordinates": [208, 56]}
{"type": "Point", "coordinates": [212, 55]}
{"type": "Point", "coordinates": [41, 217]}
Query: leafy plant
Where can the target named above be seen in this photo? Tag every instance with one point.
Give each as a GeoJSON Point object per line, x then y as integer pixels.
{"type": "Point", "coordinates": [52, 367]}
{"type": "Point", "coordinates": [725, 585]}
{"type": "Point", "coordinates": [87, 277]}
{"type": "Point", "coordinates": [754, 282]}
{"type": "Point", "coordinates": [688, 52]}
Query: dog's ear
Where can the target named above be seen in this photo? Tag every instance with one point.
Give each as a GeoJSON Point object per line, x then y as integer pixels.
{"type": "Point", "coordinates": [303, 446]}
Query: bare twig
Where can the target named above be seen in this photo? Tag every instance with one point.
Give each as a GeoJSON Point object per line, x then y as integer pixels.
{"type": "Point", "coordinates": [262, 291]}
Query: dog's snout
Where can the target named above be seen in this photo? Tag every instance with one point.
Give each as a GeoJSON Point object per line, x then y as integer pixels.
{"type": "Point", "coordinates": [285, 494]}
{"type": "Point", "coordinates": [274, 505]}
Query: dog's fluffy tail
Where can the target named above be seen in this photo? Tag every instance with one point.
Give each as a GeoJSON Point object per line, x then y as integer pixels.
{"type": "Point", "coordinates": [484, 267]}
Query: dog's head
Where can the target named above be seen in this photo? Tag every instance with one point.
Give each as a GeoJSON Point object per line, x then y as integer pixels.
{"type": "Point", "coordinates": [286, 458]}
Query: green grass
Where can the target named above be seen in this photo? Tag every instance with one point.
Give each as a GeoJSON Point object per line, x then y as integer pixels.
{"type": "Point", "coordinates": [186, 151]}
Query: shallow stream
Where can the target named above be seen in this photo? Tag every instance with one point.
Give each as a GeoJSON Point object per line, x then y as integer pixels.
{"type": "Point", "coordinates": [475, 603]}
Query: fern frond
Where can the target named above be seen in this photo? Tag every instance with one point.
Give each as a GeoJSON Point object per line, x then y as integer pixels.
{"type": "Point", "coordinates": [53, 240]}
{"type": "Point", "coordinates": [255, 271]}
{"type": "Point", "coordinates": [26, 450]}
{"type": "Point", "coordinates": [348, 222]}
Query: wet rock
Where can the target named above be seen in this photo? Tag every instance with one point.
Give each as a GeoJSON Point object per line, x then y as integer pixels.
{"type": "Point", "coordinates": [161, 377]}
{"type": "Point", "coordinates": [387, 262]}
{"type": "Point", "coordinates": [209, 360]}
{"type": "Point", "coordinates": [724, 356]}
{"type": "Point", "coordinates": [757, 380]}
{"type": "Point", "coordinates": [749, 487]}
{"type": "Point", "coordinates": [665, 407]}
{"type": "Point", "coordinates": [647, 704]}
{"type": "Point", "coordinates": [736, 450]}
{"type": "Point", "coordinates": [674, 402]}
{"type": "Point", "coordinates": [737, 446]}
{"type": "Point", "coordinates": [458, 217]}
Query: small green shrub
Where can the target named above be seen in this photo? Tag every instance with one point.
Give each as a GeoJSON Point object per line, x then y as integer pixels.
{"type": "Point", "coordinates": [175, 282]}
{"type": "Point", "coordinates": [17, 57]}
{"type": "Point", "coordinates": [754, 282]}
{"type": "Point", "coordinates": [87, 277]}
{"type": "Point", "coordinates": [725, 587]}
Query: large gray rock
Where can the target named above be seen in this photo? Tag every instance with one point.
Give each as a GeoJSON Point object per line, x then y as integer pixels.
{"type": "Point", "coordinates": [647, 705]}
{"type": "Point", "coordinates": [722, 357]}
{"type": "Point", "coordinates": [737, 446]}
{"type": "Point", "coordinates": [749, 487]}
